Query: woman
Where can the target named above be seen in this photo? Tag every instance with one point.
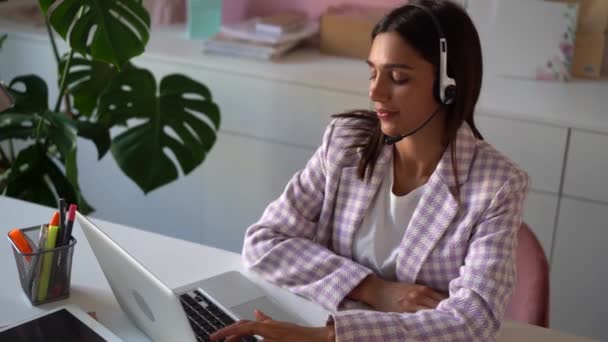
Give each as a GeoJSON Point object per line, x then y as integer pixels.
{"type": "Point", "coordinates": [405, 213]}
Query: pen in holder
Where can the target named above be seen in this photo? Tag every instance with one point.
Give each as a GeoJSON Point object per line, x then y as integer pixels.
{"type": "Point", "coordinates": [44, 273]}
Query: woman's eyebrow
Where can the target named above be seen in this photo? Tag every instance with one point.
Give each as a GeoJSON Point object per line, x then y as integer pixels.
{"type": "Point", "coordinates": [390, 65]}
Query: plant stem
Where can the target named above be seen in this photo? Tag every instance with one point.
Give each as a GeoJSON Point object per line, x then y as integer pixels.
{"type": "Point", "coordinates": [3, 157]}
{"type": "Point", "coordinates": [38, 130]}
{"type": "Point", "coordinates": [68, 107]}
{"type": "Point", "coordinates": [62, 84]}
{"type": "Point", "coordinates": [49, 30]}
{"type": "Point", "coordinates": [11, 149]}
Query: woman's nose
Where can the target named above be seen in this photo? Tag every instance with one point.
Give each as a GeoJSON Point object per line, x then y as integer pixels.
{"type": "Point", "coordinates": [378, 91]}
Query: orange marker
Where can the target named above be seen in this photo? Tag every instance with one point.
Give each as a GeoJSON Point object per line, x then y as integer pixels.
{"type": "Point", "coordinates": [20, 242]}
{"type": "Point", "coordinates": [54, 220]}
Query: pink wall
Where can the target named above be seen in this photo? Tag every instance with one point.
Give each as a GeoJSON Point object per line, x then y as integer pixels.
{"type": "Point", "coordinates": [238, 9]}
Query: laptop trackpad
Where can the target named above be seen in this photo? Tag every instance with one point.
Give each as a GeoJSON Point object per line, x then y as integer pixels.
{"type": "Point", "coordinates": [245, 311]}
{"type": "Point", "coordinates": [231, 288]}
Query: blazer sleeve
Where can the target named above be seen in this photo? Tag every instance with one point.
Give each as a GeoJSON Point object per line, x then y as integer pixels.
{"type": "Point", "coordinates": [280, 245]}
{"type": "Point", "coordinates": [477, 297]}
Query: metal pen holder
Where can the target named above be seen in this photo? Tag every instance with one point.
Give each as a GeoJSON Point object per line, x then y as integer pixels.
{"type": "Point", "coordinates": [44, 274]}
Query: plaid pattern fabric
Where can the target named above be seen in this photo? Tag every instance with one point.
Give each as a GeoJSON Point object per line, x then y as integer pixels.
{"type": "Point", "coordinates": [462, 246]}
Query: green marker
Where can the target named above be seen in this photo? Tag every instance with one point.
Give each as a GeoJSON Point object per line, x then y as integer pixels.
{"type": "Point", "coordinates": [47, 259]}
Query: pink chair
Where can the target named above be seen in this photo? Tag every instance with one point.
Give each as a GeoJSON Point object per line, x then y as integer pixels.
{"type": "Point", "coordinates": [530, 299]}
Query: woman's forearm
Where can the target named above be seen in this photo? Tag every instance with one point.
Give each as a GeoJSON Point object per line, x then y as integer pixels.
{"type": "Point", "coordinates": [331, 333]}
{"type": "Point", "coordinates": [364, 292]}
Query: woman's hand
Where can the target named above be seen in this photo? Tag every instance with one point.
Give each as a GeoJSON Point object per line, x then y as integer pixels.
{"type": "Point", "coordinates": [391, 296]}
{"type": "Point", "coordinates": [274, 331]}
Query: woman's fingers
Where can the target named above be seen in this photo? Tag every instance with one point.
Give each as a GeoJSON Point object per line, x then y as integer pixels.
{"type": "Point", "coordinates": [423, 297]}
{"type": "Point", "coordinates": [428, 302]}
{"type": "Point", "coordinates": [243, 329]}
{"type": "Point", "coordinates": [421, 307]}
{"type": "Point", "coordinates": [427, 292]}
{"type": "Point", "coordinates": [437, 295]}
{"type": "Point", "coordinates": [260, 316]}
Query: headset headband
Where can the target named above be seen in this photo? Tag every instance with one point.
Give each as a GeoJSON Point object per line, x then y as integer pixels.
{"type": "Point", "coordinates": [432, 16]}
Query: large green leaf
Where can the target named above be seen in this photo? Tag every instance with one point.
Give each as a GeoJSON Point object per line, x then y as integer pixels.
{"type": "Point", "coordinates": [34, 174]}
{"type": "Point", "coordinates": [30, 93]}
{"type": "Point", "coordinates": [182, 119]}
{"type": "Point", "coordinates": [119, 28]}
{"type": "Point", "coordinates": [97, 133]}
{"type": "Point", "coordinates": [85, 81]}
{"type": "Point", "coordinates": [35, 177]}
{"type": "Point", "coordinates": [27, 178]}
{"type": "Point", "coordinates": [22, 121]}
{"type": "Point", "coordinates": [18, 125]}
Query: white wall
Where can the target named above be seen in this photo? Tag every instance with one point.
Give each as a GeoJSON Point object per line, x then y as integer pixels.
{"type": "Point", "coordinates": [213, 205]}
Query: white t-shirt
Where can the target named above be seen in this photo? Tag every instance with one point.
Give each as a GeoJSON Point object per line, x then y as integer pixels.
{"type": "Point", "coordinates": [376, 242]}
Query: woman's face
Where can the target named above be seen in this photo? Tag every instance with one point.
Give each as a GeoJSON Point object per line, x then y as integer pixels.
{"type": "Point", "coordinates": [401, 84]}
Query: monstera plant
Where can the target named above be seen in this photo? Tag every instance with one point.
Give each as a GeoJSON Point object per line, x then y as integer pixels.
{"type": "Point", "coordinates": [105, 98]}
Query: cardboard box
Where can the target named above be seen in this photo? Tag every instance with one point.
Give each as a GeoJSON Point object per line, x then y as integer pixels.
{"type": "Point", "coordinates": [588, 55]}
{"type": "Point", "coordinates": [592, 15]}
{"type": "Point", "coordinates": [346, 30]}
{"type": "Point", "coordinates": [591, 46]}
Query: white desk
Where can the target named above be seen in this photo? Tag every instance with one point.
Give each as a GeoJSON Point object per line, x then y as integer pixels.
{"type": "Point", "coordinates": [175, 262]}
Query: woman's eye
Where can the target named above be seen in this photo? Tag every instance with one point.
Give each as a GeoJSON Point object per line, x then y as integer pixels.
{"type": "Point", "coordinates": [400, 80]}
{"type": "Point", "coordinates": [372, 76]}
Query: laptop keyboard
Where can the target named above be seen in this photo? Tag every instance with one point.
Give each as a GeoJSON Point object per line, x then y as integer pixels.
{"type": "Point", "coordinates": [205, 317]}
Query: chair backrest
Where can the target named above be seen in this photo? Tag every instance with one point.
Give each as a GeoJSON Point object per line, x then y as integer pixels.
{"type": "Point", "coordinates": [530, 298]}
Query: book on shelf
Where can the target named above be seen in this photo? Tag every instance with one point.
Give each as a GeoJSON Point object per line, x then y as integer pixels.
{"type": "Point", "coordinates": [281, 23]}
{"type": "Point", "coordinates": [247, 30]}
{"type": "Point", "coordinates": [227, 45]}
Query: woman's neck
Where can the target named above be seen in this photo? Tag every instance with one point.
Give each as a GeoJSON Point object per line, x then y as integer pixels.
{"type": "Point", "coordinates": [415, 158]}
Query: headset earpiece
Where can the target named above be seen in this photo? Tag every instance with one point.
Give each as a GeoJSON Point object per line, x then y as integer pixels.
{"type": "Point", "coordinates": [449, 94]}
{"type": "Point", "coordinates": [444, 87]}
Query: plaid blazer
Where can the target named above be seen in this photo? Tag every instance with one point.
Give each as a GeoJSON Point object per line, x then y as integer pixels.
{"type": "Point", "coordinates": [462, 246]}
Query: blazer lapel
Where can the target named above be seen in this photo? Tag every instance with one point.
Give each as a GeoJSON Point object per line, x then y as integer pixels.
{"type": "Point", "coordinates": [353, 200]}
{"type": "Point", "coordinates": [437, 208]}
{"type": "Point", "coordinates": [434, 213]}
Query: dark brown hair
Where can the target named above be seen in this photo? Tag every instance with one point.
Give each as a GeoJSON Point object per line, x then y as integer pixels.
{"type": "Point", "coordinates": [464, 65]}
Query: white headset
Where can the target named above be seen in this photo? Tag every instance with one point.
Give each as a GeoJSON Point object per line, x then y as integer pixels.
{"type": "Point", "coordinates": [445, 86]}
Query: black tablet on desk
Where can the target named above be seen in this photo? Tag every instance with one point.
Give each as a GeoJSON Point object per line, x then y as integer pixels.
{"type": "Point", "coordinates": [65, 324]}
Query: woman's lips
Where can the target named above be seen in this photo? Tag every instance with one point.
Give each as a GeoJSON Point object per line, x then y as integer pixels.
{"type": "Point", "coordinates": [383, 114]}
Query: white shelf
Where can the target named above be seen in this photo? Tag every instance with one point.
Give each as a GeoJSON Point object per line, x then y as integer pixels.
{"type": "Point", "coordinates": [580, 104]}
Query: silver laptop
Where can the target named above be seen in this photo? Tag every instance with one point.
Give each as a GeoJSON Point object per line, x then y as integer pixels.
{"type": "Point", "coordinates": [189, 313]}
